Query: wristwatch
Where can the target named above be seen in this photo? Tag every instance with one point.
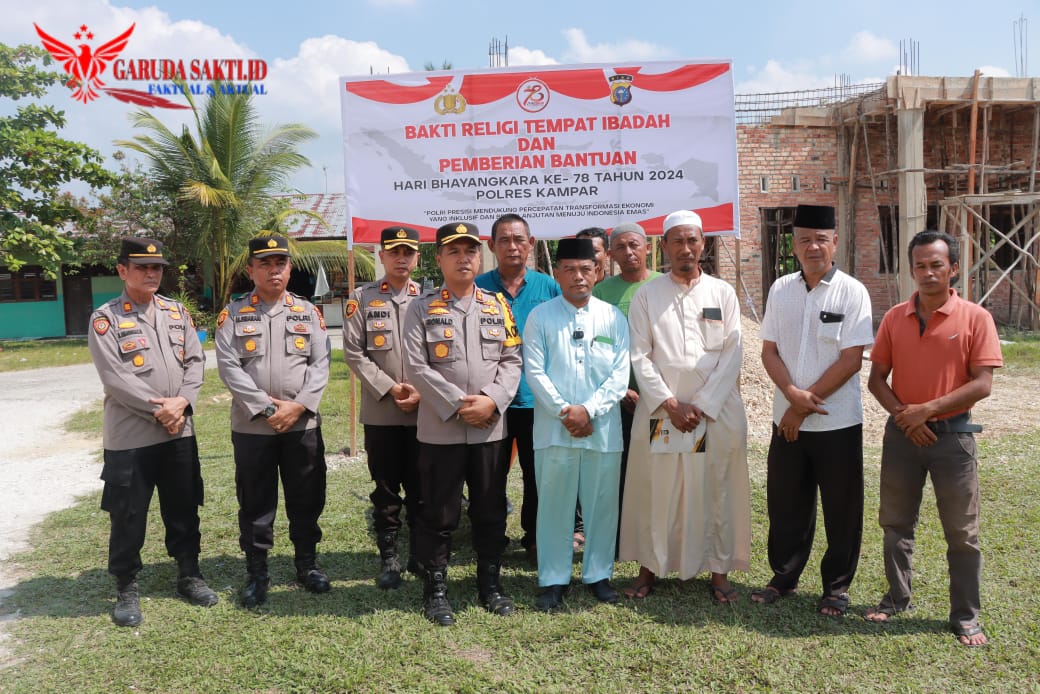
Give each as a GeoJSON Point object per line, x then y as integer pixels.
{"type": "Point", "coordinates": [268, 411]}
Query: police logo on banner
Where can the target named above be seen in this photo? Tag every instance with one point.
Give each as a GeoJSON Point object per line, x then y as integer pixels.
{"type": "Point", "coordinates": [621, 89]}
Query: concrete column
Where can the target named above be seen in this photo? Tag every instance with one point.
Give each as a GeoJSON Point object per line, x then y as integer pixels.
{"type": "Point", "coordinates": [913, 197]}
{"type": "Point", "coordinates": [846, 211]}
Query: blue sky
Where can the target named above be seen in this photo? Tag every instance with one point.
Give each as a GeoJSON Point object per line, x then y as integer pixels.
{"type": "Point", "coordinates": [775, 46]}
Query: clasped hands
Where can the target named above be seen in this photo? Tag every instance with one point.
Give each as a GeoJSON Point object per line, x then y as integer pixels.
{"type": "Point", "coordinates": [405, 396]}
{"type": "Point", "coordinates": [684, 416]}
{"type": "Point", "coordinates": [912, 420]}
{"type": "Point", "coordinates": [576, 421]}
{"type": "Point", "coordinates": [478, 411]}
{"type": "Point", "coordinates": [801, 404]}
{"type": "Point", "coordinates": [170, 413]}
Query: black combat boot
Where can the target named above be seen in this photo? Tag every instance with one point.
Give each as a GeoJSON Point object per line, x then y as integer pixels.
{"type": "Point", "coordinates": [309, 574]}
{"type": "Point", "coordinates": [389, 563]}
{"type": "Point", "coordinates": [191, 585]}
{"type": "Point", "coordinates": [435, 598]}
{"type": "Point", "coordinates": [255, 592]}
{"type": "Point", "coordinates": [490, 591]}
{"type": "Point", "coordinates": [127, 612]}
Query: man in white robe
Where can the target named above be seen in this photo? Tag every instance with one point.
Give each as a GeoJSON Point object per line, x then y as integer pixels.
{"type": "Point", "coordinates": [687, 512]}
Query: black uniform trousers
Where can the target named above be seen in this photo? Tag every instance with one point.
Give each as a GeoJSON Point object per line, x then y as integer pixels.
{"type": "Point", "coordinates": [130, 478]}
{"type": "Point", "coordinates": [442, 471]}
{"type": "Point", "coordinates": [299, 457]}
{"type": "Point", "coordinates": [393, 453]}
{"type": "Point", "coordinates": [520, 427]}
{"type": "Point", "coordinates": [832, 461]}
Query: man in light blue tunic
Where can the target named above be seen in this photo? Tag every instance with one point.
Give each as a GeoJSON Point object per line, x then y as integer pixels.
{"type": "Point", "coordinates": [576, 361]}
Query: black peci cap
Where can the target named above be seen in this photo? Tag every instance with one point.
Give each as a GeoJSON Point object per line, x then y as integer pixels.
{"type": "Point", "coordinates": [814, 217]}
{"type": "Point", "coordinates": [575, 249]}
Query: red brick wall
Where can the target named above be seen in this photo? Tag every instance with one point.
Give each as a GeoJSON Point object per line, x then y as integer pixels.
{"type": "Point", "coordinates": [780, 152]}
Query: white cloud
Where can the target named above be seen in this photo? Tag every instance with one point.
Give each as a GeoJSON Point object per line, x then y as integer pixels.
{"type": "Point", "coordinates": [994, 71]}
{"type": "Point", "coordinates": [305, 87]}
{"type": "Point", "coordinates": [518, 55]}
{"type": "Point", "coordinates": [866, 47]}
{"type": "Point", "coordinates": [579, 50]}
{"type": "Point", "coordinates": [776, 77]}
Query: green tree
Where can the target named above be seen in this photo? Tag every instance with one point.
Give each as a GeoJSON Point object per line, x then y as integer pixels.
{"type": "Point", "coordinates": [35, 164]}
{"type": "Point", "coordinates": [222, 176]}
{"type": "Point", "coordinates": [133, 206]}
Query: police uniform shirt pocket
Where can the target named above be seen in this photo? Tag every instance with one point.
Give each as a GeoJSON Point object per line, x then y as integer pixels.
{"type": "Point", "coordinates": [830, 326]}
{"type": "Point", "coordinates": [379, 337]}
{"type": "Point", "coordinates": [249, 339]}
{"type": "Point", "coordinates": [440, 343]}
{"type": "Point", "coordinates": [177, 342]}
{"type": "Point", "coordinates": [491, 339]}
{"type": "Point", "coordinates": [136, 354]}
{"type": "Point", "coordinates": [298, 338]}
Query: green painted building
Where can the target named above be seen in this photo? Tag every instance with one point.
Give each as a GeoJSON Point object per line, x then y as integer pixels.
{"type": "Point", "coordinates": [32, 306]}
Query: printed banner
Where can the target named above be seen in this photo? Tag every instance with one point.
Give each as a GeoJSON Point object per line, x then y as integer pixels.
{"type": "Point", "coordinates": [565, 147]}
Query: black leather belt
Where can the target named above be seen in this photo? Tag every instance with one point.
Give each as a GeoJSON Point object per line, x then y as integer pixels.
{"type": "Point", "coordinates": [957, 424]}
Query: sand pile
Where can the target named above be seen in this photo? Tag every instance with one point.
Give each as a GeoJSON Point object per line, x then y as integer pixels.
{"type": "Point", "coordinates": [757, 391]}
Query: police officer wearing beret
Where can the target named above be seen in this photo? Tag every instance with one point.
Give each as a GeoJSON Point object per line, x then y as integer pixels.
{"type": "Point", "coordinates": [150, 363]}
{"type": "Point", "coordinates": [462, 352]}
{"type": "Point", "coordinates": [373, 320]}
{"type": "Point", "coordinates": [273, 355]}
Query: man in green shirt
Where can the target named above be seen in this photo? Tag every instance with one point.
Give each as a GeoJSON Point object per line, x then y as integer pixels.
{"type": "Point", "coordinates": [628, 248]}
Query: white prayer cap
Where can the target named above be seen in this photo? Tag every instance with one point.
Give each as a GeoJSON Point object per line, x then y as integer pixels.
{"type": "Point", "coordinates": [682, 218]}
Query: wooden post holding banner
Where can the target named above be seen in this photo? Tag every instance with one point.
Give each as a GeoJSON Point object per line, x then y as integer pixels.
{"type": "Point", "coordinates": [352, 384]}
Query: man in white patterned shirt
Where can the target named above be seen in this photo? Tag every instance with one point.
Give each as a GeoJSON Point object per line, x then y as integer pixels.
{"type": "Point", "coordinates": [816, 325]}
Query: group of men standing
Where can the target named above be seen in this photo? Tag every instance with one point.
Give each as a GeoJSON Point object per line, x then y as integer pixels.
{"type": "Point", "coordinates": [620, 396]}
{"type": "Point", "coordinates": [273, 355]}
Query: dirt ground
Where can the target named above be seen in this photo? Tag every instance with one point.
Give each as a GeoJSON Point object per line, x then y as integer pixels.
{"type": "Point", "coordinates": [1013, 407]}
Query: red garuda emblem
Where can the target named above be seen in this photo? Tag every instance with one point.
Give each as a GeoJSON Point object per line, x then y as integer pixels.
{"type": "Point", "coordinates": [87, 65]}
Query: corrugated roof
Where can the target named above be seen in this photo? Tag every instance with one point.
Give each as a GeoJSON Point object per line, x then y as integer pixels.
{"type": "Point", "coordinates": [331, 206]}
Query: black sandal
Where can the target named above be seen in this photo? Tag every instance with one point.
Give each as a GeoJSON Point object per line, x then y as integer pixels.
{"type": "Point", "coordinates": [770, 594]}
{"type": "Point", "coordinates": [838, 603]}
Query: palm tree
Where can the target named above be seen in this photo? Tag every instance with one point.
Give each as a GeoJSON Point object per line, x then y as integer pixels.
{"type": "Point", "coordinates": [220, 175]}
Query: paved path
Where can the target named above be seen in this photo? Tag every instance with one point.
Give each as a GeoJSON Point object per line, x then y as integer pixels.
{"type": "Point", "coordinates": [42, 469]}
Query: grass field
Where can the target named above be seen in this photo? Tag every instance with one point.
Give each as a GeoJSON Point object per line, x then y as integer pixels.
{"type": "Point", "coordinates": [358, 638]}
{"type": "Point", "coordinates": [36, 354]}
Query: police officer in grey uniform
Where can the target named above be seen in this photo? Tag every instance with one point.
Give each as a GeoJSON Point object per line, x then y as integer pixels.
{"type": "Point", "coordinates": [462, 351]}
{"type": "Point", "coordinates": [273, 355]}
{"type": "Point", "coordinates": [150, 363]}
{"type": "Point", "coordinates": [373, 320]}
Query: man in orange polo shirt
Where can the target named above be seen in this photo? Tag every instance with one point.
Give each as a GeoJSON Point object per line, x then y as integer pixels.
{"type": "Point", "coordinates": [941, 352]}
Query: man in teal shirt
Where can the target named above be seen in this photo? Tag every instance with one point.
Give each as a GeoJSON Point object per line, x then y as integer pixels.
{"type": "Point", "coordinates": [511, 242]}
{"type": "Point", "coordinates": [577, 365]}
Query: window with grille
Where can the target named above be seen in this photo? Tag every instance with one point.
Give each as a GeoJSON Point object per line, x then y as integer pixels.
{"type": "Point", "coordinates": [28, 284]}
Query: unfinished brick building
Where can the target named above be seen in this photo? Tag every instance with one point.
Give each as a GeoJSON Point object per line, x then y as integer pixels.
{"type": "Point", "coordinates": [895, 158]}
